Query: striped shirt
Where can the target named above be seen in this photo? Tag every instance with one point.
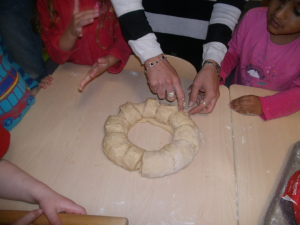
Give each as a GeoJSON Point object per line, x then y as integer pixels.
{"type": "Point", "coordinates": [191, 29]}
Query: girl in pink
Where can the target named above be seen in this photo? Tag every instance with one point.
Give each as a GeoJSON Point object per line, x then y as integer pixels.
{"type": "Point", "coordinates": [265, 49]}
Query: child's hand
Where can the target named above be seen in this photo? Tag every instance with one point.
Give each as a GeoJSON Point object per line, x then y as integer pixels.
{"type": "Point", "coordinates": [47, 81]}
{"type": "Point", "coordinates": [29, 218]}
{"type": "Point", "coordinates": [248, 104]}
{"type": "Point", "coordinates": [52, 203]}
{"type": "Point", "coordinates": [81, 19]}
{"type": "Point", "coordinates": [74, 30]}
{"type": "Point", "coordinates": [98, 68]}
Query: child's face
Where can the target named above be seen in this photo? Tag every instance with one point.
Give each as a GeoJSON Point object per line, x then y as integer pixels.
{"type": "Point", "coordinates": [284, 17]}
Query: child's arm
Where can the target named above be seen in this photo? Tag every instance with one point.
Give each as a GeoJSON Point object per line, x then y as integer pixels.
{"type": "Point", "coordinates": [270, 107]}
{"type": "Point", "coordinates": [15, 184]}
{"type": "Point", "coordinates": [74, 31]}
{"type": "Point", "coordinates": [230, 61]}
{"type": "Point", "coordinates": [98, 68]}
{"type": "Point", "coordinates": [281, 104]}
{"type": "Point", "coordinates": [60, 40]}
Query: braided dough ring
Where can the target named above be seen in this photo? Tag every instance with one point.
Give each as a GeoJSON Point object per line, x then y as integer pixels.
{"type": "Point", "coordinates": [168, 160]}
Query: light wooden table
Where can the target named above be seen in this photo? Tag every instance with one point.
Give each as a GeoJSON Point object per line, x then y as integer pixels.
{"type": "Point", "coordinates": [59, 141]}
{"type": "Point", "coordinates": [261, 150]}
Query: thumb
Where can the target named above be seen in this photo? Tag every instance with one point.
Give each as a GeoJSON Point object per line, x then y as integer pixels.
{"type": "Point", "coordinates": [29, 217]}
{"type": "Point", "coordinates": [76, 7]}
{"type": "Point", "coordinates": [102, 60]}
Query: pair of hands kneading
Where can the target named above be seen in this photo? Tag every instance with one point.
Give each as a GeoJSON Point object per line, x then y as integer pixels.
{"type": "Point", "coordinates": [171, 158]}
{"type": "Point", "coordinates": [162, 77]}
{"type": "Point", "coordinates": [163, 80]}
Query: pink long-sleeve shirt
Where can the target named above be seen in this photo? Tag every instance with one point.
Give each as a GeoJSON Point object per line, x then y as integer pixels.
{"type": "Point", "coordinates": [261, 63]}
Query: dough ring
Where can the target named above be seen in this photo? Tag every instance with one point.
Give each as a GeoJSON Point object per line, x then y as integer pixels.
{"type": "Point", "coordinates": [168, 160]}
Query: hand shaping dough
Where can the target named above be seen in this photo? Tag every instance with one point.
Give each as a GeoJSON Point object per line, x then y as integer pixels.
{"type": "Point", "coordinates": [171, 158]}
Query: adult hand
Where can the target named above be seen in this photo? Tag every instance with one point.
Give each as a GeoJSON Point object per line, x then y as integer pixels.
{"type": "Point", "coordinates": [29, 218]}
{"type": "Point", "coordinates": [98, 68]}
{"type": "Point", "coordinates": [248, 104]}
{"type": "Point", "coordinates": [206, 88]}
{"type": "Point", "coordinates": [163, 79]}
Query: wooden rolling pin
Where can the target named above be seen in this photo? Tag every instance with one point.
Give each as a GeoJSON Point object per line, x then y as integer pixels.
{"type": "Point", "coordinates": [9, 216]}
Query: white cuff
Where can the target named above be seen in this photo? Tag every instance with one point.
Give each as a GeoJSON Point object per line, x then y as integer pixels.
{"type": "Point", "coordinates": [124, 6]}
{"type": "Point", "coordinates": [225, 14]}
{"type": "Point", "coordinates": [146, 47]}
{"type": "Point", "coordinates": [215, 51]}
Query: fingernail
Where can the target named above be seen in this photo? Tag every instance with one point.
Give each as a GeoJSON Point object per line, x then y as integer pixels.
{"type": "Point", "coordinates": [190, 104]}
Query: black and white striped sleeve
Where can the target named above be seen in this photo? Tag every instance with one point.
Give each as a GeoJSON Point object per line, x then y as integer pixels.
{"type": "Point", "coordinates": [223, 20]}
{"type": "Point", "coordinates": [136, 29]}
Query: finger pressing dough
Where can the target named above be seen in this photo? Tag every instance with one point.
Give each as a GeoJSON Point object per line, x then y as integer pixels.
{"type": "Point", "coordinates": [171, 158]}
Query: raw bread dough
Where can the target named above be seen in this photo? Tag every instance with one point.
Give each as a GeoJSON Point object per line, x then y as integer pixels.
{"type": "Point", "coordinates": [168, 160]}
